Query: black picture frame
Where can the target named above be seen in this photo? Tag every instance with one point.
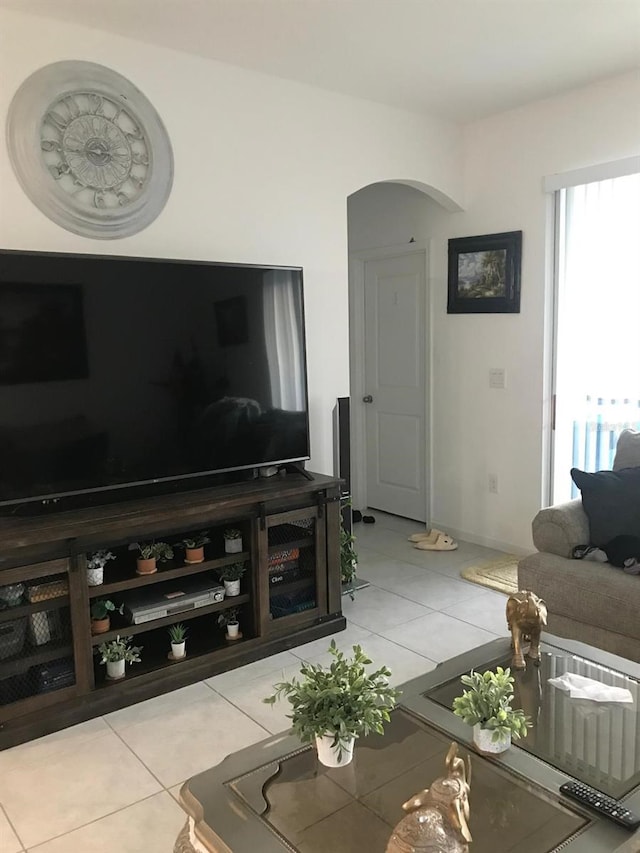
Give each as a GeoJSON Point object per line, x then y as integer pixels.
{"type": "Point", "coordinates": [484, 274]}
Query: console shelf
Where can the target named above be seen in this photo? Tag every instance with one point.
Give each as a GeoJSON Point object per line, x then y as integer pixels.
{"type": "Point", "coordinates": [131, 630]}
{"type": "Point", "coordinates": [128, 579]}
{"type": "Point", "coordinates": [60, 681]}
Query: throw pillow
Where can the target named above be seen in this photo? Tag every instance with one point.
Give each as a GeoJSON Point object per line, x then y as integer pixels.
{"type": "Point", "coordinates": [627, 450]}
{"type": "Point", "coordinates": [611, 500]}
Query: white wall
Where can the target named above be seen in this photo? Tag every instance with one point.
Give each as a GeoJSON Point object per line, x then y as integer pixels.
{"type": "Point", "coordinates": [263, 168]}
{"type": "Point", "coordinates": [389, 215]}
{"type": "Point", "coordinates": [477, 430]}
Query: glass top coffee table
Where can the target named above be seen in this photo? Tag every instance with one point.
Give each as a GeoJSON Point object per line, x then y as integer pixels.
{"type": "Point", "coordinates": [275, 796]}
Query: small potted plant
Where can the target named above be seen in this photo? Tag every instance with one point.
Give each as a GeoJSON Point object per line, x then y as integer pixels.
{"type": "Point", "coordinates": [232, 541]}
{"type": "Point", "coordinates": [348, 561]}
{"type": "Point", "coordinates": [178, 635]}
{"type": "Point", "coordinates": [486, 706]}
{"type": "Point", "coordinates": [334, 705]}
{"type": "Point", "coordinates": [101, 610]}
{"type": "Point", "coordinates": [194, 547]}
{"type": "Point", "coordinates": [229, 619]}
{"type": "Point", "coordinates": [116, 653]}
{"type": "Point", "coordinates": [96, 561]}
{"type": "Point", "coordinates": [230, 577]}
{"type": "Point", "coordinates": [149, 554]}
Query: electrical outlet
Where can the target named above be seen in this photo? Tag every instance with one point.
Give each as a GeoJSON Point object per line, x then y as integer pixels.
{"type": "Point", "coordinates": [493, 484]}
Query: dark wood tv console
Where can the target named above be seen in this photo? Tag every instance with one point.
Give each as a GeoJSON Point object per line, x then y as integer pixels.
{"type": "Point", "coordinates": [50, 675]}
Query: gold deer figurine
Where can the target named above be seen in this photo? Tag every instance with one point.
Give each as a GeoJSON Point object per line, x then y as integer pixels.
{"type": "Point", "coordinates": [526, 617]}
{"type": "Point", "coordinates": [437, 818]}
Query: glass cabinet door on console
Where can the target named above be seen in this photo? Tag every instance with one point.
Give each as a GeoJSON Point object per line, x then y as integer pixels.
{"type": "Point", "coordinates": [37, 661]}
{"type": "Point", "coordinates": [293, 550]}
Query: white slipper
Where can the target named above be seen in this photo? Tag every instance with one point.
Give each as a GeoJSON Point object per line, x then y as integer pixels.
{"type": "Point", "coordinates": [442, 543]}
{"type": "Point", "coordinates": [427, 536]}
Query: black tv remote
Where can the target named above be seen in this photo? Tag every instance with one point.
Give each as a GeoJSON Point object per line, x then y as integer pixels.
{"type": "Point", "coordinates": [601, 803]}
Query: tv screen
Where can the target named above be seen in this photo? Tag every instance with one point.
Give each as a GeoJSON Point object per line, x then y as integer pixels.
{"type": "Point", "coordinates": [128, 371]}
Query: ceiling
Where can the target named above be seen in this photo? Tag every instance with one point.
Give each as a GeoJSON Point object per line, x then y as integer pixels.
{"type": "Point", "coordinates": [457, 59]}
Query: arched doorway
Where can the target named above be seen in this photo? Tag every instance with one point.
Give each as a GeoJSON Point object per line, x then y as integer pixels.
{"type": "Point", "coordinates": [390, 228]}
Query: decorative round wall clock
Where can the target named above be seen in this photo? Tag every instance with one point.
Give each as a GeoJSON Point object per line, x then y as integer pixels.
{"type": "Point", "coordinates": [89, 149]}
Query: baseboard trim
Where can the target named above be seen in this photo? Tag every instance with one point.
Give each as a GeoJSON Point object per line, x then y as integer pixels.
{"type": "Point", "coordinates": [485, 541]}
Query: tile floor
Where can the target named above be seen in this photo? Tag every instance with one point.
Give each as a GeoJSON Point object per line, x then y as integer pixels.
{"type": "Point", "coordinates": [111, 783]}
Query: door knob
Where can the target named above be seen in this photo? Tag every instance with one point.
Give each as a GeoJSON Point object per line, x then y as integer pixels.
{"type": "Point", "coordinates": [367, 399]}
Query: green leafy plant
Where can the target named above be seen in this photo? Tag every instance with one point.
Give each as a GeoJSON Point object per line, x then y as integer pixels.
{"type": "Point", "coordinates": [148, 550]}
{"type": "Point", "coordinates": [119, 649]}
{"type": "Point", "coordinates": [348, 559]}
{"type": "Point", "coordinates": [230, 615]}
{"type": "Point", "coordinates": [196, 540]}
{"type": "Point", "coordinates": [99, 559]}
{"type": "Point", "coordinates": [102, 607]}
{"type": "Point", "coordinates": [232, 533]}
{"type": "Point", "coordinates": [488, 702]}
{"type": "Point", "coordinates": [232, 572]}
{"type": "Point", "coordinates": [340, 700]}
{"type": "Point", "coordinates": [177, 633]}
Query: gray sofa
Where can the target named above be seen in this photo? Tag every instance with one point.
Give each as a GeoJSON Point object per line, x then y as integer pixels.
{"type": "Point", "coordinates": [593, 602]}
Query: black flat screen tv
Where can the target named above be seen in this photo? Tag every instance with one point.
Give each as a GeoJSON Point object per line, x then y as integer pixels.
{"type": "Point", "coordinates": [118, 372]}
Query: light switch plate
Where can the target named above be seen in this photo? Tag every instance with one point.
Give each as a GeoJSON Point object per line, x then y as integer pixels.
{"type": "Point", "coordinates": [497, 377]}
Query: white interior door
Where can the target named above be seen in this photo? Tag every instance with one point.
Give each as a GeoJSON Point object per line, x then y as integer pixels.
{"type": "Point", "coordinates": [395, 384]}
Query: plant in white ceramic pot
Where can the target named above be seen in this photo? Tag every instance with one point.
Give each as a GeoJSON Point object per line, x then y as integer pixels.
{"type": "Point", "coordinates": [229, 619]}
{"type": "Point", "coordinates": [232, 540]}
{"type": "Point", "coordinates": [230, 577]}
{"type": "Point", "coordinates": [486, 706]}
{"type": "Point", "coordinates": [334, 705]}
{"type": "Point", "coordinates": [96, 561]}
{"type": "Point", "coordinates": [116, 653]}
{"type": "Point", "coordinates": [178, 636]}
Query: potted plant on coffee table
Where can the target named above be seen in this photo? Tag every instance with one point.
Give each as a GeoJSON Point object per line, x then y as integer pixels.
{"type": "Point", "coordinates": [334, 705]}
{"type": "Point", "coordinates": [229, 619]}
{"type": "Point", "coordinates": [194, 547]}
{"type": "Point", "coordinates": [232, 541]}
{"type": "Point", "coordinates": [149, 555]}
{"type": "Point", "coordinates": [96, 561]}
{"type": "Point", "coordinates": [116, 653]}
{"type": "Point", "coordinates": [100, 611]}
{"type": "Point", "coordinates": [230, 577]}
{"type": "Point", "coordinates": [178, 636]}
{"type": "Point", "coordinates": [486, 706]}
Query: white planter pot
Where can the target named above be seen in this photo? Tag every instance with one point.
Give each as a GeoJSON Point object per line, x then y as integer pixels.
{"type": "Point", "coordinates": [231, 588]}
{"type": "Point", "coordinates": [233, 546]}
{"type": "Point", "coordinates": [328, 754]}
{"type": "Point", "coordinates": [115, 669]}
{"type": "Point", "coordinates": [483, 740]}
{"type": "Point", "coordinates": [95, 577]}
{"type": "Point", "coordinates": [232, 629]}
{"type": "Point", "coordinates": [178, 649]}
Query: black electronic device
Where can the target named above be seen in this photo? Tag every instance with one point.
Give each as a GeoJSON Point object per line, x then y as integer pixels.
{"type": "Point", "coordinates": [601, 803]}
{"type": "Point", "coordinates": [119, 372]}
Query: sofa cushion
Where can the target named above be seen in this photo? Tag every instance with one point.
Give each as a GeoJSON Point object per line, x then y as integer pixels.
{"type": "Point", "coordinates": [627, 450]}
{"type": "Point", "coordinates": [559, 529]}
{"type": "Point", "coordinates": [595, 594]}
{"type": "Point", "coordinates": [611, 500]}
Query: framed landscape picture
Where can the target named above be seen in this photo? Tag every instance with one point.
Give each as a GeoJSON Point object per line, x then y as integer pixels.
{"type": "Point", "coordinates": [484, 274]}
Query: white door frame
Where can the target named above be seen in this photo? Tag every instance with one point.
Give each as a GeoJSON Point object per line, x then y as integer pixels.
{"type": "Point", "coordinates": [357, 262]}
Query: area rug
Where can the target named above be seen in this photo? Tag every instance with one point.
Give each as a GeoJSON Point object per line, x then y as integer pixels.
{"type": "Point", "coordinates": [501, 574]}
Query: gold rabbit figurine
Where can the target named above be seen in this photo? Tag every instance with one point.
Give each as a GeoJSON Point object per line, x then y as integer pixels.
{"type": "Point", "coordinates": [437, 818]}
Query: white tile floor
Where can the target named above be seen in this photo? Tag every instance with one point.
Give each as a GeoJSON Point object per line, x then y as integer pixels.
{"type": "Point", "coordinates": [111, 783]}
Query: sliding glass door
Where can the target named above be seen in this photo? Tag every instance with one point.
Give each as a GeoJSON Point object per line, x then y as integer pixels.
{"type": "Point", "coordinates": [597, 358]}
